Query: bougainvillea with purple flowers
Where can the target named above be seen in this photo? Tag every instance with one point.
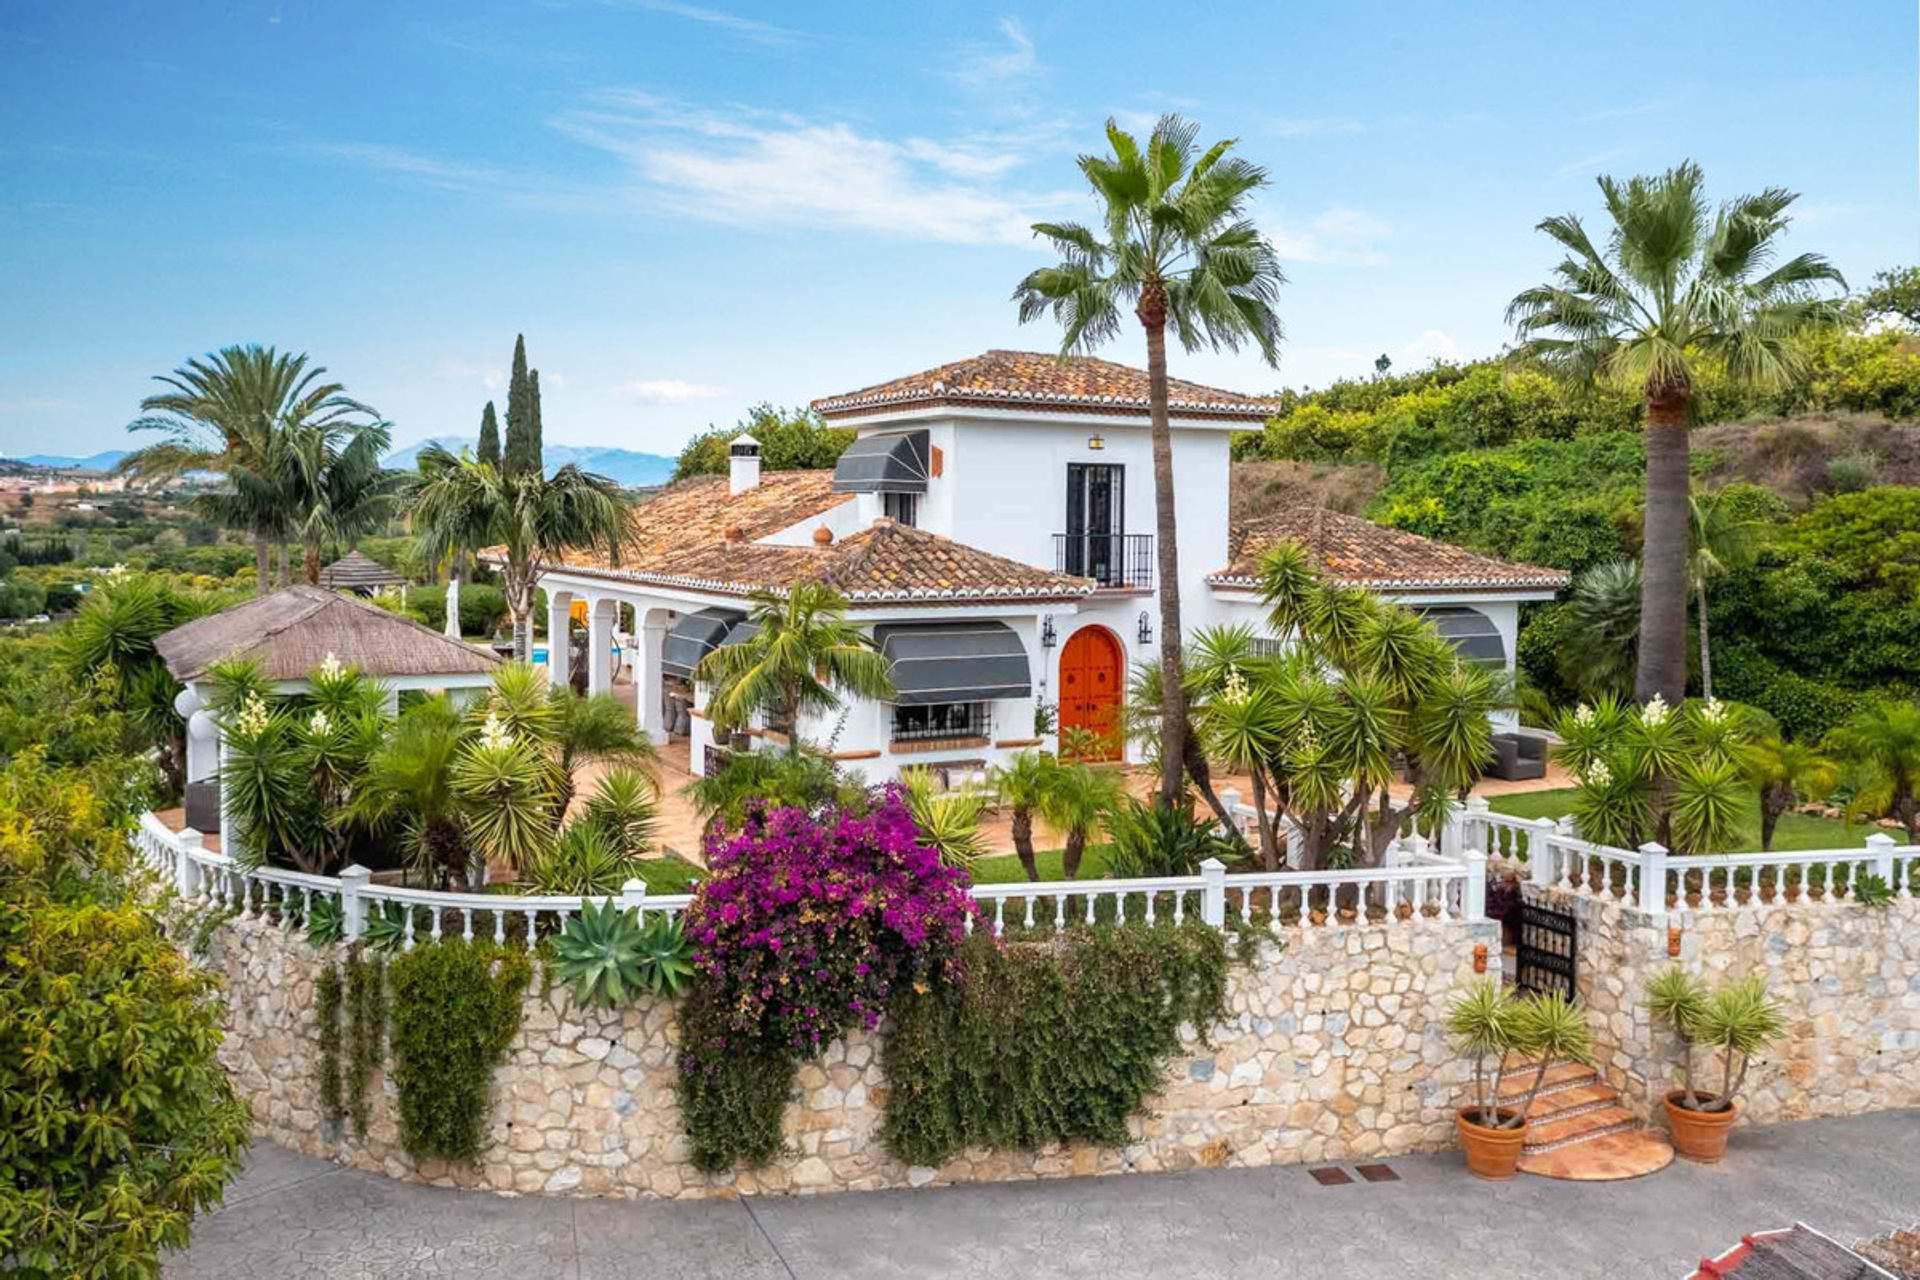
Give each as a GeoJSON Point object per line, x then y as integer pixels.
{"type": "Point", "coordinates": [804, 931]}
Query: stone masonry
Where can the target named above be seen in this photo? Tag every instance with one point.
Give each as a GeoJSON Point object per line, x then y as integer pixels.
{"type": "Point", "coordinates": [1847, 976]}
{"type": "Point", "coordinates": [1335, 1049]}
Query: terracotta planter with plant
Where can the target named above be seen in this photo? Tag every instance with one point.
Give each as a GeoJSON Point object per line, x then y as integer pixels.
{"type": "Point", "coordinates": [1517, 1034]}
{"type": "Point", "coordinates": [1736, 1020]}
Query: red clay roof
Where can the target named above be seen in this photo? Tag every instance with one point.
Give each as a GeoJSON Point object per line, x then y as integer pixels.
{"type": "Point", "coordinates": [697, 535]}
{"type": "Point", "coordinates": [1363, 554]}
{"type": "Point", "coordinates": [1020, 379]}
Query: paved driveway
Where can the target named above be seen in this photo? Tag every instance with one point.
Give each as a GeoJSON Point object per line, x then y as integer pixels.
{"type": "Point", "coordinates": [291, 1218]}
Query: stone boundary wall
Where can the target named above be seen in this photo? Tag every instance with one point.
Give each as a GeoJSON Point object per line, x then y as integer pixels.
{"type": "Point", "coordinates": [1335, 1049]}
{"type": "Point", "coordinates": [1847, 976]}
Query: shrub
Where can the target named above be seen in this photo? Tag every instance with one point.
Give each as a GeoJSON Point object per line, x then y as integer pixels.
{"type": "Point", "coordinates": [582, 863]}
{"type": "Point", "coordinates": [1043, 1046]}
{"type": "Point", "coordinates": [483, 609]}
{"type": "Point", "coordinates": [805, 930]}
{"type": "Point", "coordinates": [1154, 840]}
{"type": "Point", "coordinates": [1852, 472]}
{"type": "Point", "coordinates": [117, 1123]}
{"type": "Point", "coordinates": [455, 1011]}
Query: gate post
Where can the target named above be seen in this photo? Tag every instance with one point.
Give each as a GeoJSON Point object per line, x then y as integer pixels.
{"type": "Point", "coordinates": [1476, 904]}
{"type": "Point", "coordinates": [1540, 853]}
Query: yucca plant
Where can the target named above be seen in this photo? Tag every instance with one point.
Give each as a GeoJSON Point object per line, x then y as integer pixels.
{"type": "Point", "coordinates": [1484, 1022]}
{"type": "Point", "coordinates": [609, 957]}
{"type": "Point", "coordinates": [1738, 1019]}
{"type": "Point", "coordinates": [949, 821]}
{"type": "Point", "coordinates": [583, 862]}
{"type": "Point", "coordinates": [625, 809]}
{"type": "Point", "coordinates": [1552, 1029]}
{"type": "Point", "coordinates": [1155, 840]}
{"type": "Point", "coordinates": [1705, 805]}
{"type": "Point", "coordinates": [504, 787]}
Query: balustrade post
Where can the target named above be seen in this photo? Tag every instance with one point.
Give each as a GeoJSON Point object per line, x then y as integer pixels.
{"type": "Point", "coordinates": [353, 906]}
{"type": "Point", "coordinates": [1476, 903]}
{"type": "Point", "coordinates": [1230, 801]}
{"type": "Point", "coordinates": [633, 896]}
{"type": "Point", "coordinates": [1653, 880]}
{"type": "Point", "coordinates": [186, 872]}
{"type": "Point", "coordinates": [1880, 845]}
{"type": "Point", "coordinates": [1540, 853]}
{"type": "Point", "coordinates": [1213, 893]}
{"type": "Point", "coordinates": [1474, 831]}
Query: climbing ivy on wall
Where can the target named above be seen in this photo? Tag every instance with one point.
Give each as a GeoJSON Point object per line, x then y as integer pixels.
{"type": "Point", "coordinates": [455, 1008]}
{"type": "Point", "coordinates": [326, 1019]}
{"type": "Point", "coordinates": [366, 999]}
{"type": "Point", "coordinates": [1044, 1043]}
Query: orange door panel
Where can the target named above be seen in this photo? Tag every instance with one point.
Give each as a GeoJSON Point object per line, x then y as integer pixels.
{"type": "Point", "coordinates": [1090, 688]}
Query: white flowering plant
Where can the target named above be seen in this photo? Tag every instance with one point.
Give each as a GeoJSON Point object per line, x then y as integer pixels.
{"type": "Point", "coordinates": [1657, 772]}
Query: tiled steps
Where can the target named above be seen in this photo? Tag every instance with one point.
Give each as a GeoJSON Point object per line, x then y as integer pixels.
{"type": "Point", "coordinates": [1576, 1127]}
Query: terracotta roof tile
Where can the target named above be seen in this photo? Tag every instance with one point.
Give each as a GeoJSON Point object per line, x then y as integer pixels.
{"type": "Point", "coordinates": [1012, 379]}
{"type": "Point", "coordinates": [1361, 553]}
{"type": "Point", "coordinates": [696, 535]}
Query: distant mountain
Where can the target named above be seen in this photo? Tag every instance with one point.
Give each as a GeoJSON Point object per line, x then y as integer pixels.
{"type": "Point", "coordinates": [96, 462]}
{"type": "Point", "coordinates": [624, 466]}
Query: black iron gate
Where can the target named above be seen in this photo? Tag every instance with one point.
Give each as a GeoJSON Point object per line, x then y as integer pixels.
{"type": "Point", "coordinates": [1549, 946]}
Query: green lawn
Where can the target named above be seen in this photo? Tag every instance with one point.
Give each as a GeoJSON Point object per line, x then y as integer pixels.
{"type": "Point", "coordinates": [1006, 869]}
{"type": "Point", "coordinates": [1796, 831]}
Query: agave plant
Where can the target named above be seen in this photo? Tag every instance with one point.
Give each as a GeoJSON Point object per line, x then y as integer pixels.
{"type": "Point", "coordinates": [326, 922]}
{"type": "Point", "coordinates": [608, 956]}
{"type": "Point", "coordinates": [1154, 840]}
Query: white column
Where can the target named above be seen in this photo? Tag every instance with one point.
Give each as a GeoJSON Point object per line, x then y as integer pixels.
{"type": "Point", "coordinates": [648, 646]}
{"type": "Point", "coordinates": [451, 624]}
{"type": "Point", "coordinates": [600, 613]}
{"type": "Point", "coordinates": [559, 613]}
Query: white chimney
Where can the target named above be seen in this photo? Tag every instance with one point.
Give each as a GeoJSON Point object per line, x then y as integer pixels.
{"type": "Point", "coordinates": [743, 463]}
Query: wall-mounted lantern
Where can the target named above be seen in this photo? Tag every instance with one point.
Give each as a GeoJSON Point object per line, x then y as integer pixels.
{"type": "Point", "coordinates": [1146, 627]}
{"type": "Point", "coordinates": [1047, 638]}
{"type": "Point", "coordinates": [1096, 442]}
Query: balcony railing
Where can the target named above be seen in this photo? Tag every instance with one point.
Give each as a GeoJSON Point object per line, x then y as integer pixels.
{"type": "Point", "coordinates": [1115, 560]}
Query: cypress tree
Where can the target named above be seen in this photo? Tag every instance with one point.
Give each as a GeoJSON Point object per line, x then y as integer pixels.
{"type": "Point", "coordinates": [536, 445]}
{"type": "Point", "coordinates": [519, 411]}
{"type": "Point", "coordinates": [489, 452]}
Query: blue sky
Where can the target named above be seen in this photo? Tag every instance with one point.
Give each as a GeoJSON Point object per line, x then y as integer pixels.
{"type": "Point", "coordinates": [689, 208]}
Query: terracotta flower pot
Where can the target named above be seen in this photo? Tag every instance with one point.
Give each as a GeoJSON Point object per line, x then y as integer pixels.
{"type": "Point", "coordinates": [1699, 1135]}
{"type": "Point", "coordinates": [1493, 1154]}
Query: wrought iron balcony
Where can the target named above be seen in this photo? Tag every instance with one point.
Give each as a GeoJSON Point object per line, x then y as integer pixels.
{"type": "Point", "coordinates": [1120, 561]}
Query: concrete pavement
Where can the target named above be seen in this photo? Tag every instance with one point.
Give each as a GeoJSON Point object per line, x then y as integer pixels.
{"type": "Point", "coordinates": [294, 1218]}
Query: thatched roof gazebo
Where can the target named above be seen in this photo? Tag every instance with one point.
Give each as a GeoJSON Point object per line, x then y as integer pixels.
{"type": "Point", "coordinates": [359, 573]}
{"type": "Point", "coordinates": [289, 633]}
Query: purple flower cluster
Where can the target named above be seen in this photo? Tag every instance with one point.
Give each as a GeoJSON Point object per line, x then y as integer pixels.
{"type": "Point", "coordinates": [807, 925]}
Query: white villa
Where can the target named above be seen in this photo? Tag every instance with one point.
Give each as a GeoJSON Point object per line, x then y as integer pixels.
{"type": "Point", "coordinates": [993, 524]}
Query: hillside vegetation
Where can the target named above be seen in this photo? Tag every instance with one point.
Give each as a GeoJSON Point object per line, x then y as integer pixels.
{"type": "Point", "coordinates": [1823, 610]}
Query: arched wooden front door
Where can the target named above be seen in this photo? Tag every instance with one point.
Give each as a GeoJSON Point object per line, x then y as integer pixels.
{"type": "Point", "coordinates": [1091, 680]}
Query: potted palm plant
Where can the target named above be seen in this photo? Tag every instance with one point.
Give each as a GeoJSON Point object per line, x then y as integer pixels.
{"type": "Point", "coordinates": [1736, 1019]}
{"type": "Point", "coordinates": [1518, 1034]}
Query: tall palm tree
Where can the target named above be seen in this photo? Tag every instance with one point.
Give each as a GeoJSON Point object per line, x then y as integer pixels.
{"type": "Point", "coordinates": [1721, 538]}
{"type": "Point", "coordinates": [536, 519]}
{"type": "Point", "coordinates": [338, 488]}
{"type": "Point", "coordinates": [1176, 246]}
{"type": "Point", "coordinates": [802, 654]}
{"type": "Point", "coordinates": [229, 413]}
{"type": "Point", "coordinates": [1676, 283]}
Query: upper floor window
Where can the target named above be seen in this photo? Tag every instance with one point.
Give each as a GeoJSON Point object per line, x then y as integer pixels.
{"type": "Point", "coordinates": [902, 507]}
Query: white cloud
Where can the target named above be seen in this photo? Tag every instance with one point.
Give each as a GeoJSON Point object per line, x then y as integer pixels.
{"type": "Point", "coordinates": [755, 168]}
{"type": "Point", "coordinates": [1315, 127]}
{"type": "Point", "coordinates": [666, 391]}
{"type": "Point", "coordinates": [751, 28]}
{"type": "Point", "coordinates": [1341, 236]}
{"type": "Point", "coordinates": [490, 377]}
{"type": "Point", "coordinates": [995, 66]}
{"type": "Point", "coordinates": [1432, 344]}
{"type": "Point", "coordinates": [1587, 164]}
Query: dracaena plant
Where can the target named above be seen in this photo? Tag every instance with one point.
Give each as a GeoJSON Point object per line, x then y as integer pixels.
{"type": "Point", "coordinates": [1736, 1020]}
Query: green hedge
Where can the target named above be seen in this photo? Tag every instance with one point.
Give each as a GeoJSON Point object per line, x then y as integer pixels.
{"type": "Point", "coordinates": [455, 1008]}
